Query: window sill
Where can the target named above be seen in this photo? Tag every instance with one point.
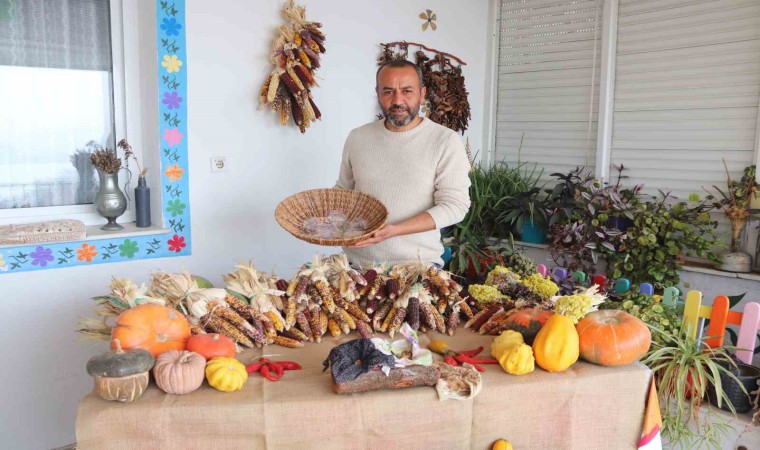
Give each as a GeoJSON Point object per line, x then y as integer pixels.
{"type": "Point", "coordinates": [94, 232]}
{"type": "Point", "coordinates": [706, 269]}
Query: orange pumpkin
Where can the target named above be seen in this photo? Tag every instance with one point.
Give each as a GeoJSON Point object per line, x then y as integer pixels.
{"type": "Point", "coordinates": [154, 328]}
{"type": "Point", "coordinates": [212, 345]}
{"type": "Point", "coordinates": [528, 322]}
{"type": "Point", "coordinates": [613, 338]}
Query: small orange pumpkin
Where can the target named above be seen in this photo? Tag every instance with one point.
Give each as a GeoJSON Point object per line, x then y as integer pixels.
{"type": "Point", "coordinates": [212, 345]}
{"type": "Point", "coordinates": [154, 328]}
{"type": "Point", "coordinates": [528, 322]}
{"type": "Point", "coordinates": [612, 337]}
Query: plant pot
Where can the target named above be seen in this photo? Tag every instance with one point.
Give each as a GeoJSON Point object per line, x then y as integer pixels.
{"type": "Point", "coordinates": [748, 376]}
{"type": "Point", "coordinates": [533, 233]}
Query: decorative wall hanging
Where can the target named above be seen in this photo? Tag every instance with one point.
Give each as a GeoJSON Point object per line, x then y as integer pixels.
{"type": "Point", "coordinates": [446, 91]}
{"type": "Point", "coordinates": [295, 55]}
{"type": "Point", "coordinates": [429, 17]}
{"type": "Point", "coordinates": [175, 198]}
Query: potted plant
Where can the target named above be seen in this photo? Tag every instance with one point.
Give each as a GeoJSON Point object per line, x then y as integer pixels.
{"type": "Point", "coordinates": [684, 368]}
{"type": "Point", "coordinates": [526, 212]}
{"type": "Point", "coordinates": [736, 203]}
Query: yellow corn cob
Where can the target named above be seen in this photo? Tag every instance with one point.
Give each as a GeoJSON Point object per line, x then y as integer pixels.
{"type": "Point", "coordinates": [221, 326]}
{"type": "Point", "coordinates": [307, 109]}
{"type": "Point", "coordinates": [242, 308]}
{"type": "Point", "coordinates": [295, 78]}
{"type": "Point", "coordinates": [284, 110]}
{"type": "Point", "coordinates": [354, 310]}
{"type": "Point", "coordinates": [377, 319]}
{"type": "Point", "coordinates": [326, 294]}
{"type": "Point", "coordinates": [397, 321]}
{"type": "Point", "coordinates": [388, 319]}
{"type": "Point", "coordinates": [349, 318]}
{"type": "Point", "coordinates": [342, 322]}
{"type": "Point", "coordinates": [440, 323]}
{"type": "Point", "coordinates": [427, 316]}
{"type": "Point", "coordinates": [333, 327]}
{"type": "Point", "coordinates": [286, 342]}
{"type": "Point", "coordinates": [290, 312]}
{"type": "Point", "coordinates": [304, 58]}
{"type": "Point", "coordinates": [299, 334]}
{"type": "Point", "coordinates": [274, 83]}
{"type": "Point", "coordinates": [228, 314]}
{"type": "Point", "coordinates": [276, 322]}
{"type": "Point", "coordinates": [442, 304]}
{"type": "Point", "coordinates": [292, 286]}
{"type": "Point", "coordinates": [315, 47]}
{"type": "Point", "coordinates": [265, 91]}
{"type": "Point", "coordinates": [297, 40]}
{"type": "Point", "coordinates": [466, 309]}
{"type": "Point", "coordinates": [439, 283]}
{"type": "Point", "coordinates": [323, 319]}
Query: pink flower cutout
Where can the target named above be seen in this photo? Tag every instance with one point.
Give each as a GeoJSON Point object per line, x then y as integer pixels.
{"type": "Point", "coordinates": [172, 136]}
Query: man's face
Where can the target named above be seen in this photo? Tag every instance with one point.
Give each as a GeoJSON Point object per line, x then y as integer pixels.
{"type": "Point", "coordinates": [399, 94]}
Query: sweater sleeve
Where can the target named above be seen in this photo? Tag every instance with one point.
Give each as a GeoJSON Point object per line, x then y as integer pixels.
{"type": "Point", "coordinates": [346, 174]}
{"type": "Point", "coordinates": [452, 184]}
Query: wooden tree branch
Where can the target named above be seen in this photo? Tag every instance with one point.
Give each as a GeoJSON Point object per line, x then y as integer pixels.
{"type": "Point", "coordinates": [428, 49]}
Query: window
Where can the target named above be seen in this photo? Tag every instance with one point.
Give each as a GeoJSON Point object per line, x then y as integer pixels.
{"type": "Point", "coordinates": [61, 99]}
{"type": "Point", "coordinates": [156, 72]}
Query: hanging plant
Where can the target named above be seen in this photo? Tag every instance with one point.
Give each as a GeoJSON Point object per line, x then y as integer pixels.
{"type": "Point", "coordinates": [446, 90]}
{"type": "Point", "coordinates": [295, 56]}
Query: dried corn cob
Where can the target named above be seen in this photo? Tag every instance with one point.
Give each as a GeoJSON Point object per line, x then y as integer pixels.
{"type": "Point", "coordinates": [353, 309]}
{"type": "Point", "coordinates": [391, 288]}
{"type": "Point", "coordinates": [303, 322]}
{"type": "Point", "coordinates": [413, 313]}
{"type": "Point", "coordinates": [364, 330]}
{"type": "Point", "coordinates": [308, 111]}
{"type": "Point", "coordinates": [290, 312]}
{"type": "Point", "coordinates": [323, 320]}
{"type": "Point", "coordinates": [388, 319]}
{"type": "Point", "coordinates": [196, 329]}
{"type": "Point", "coordinates": [295, 333]}
{"type": "Point", "coordinates": [440, 322]}
{"type": "Point", "coordinates": [357, 277]}
{"type": "Point", "coordinates": [427, 316]}
{"type": "Point", "coordinates": [228, 314]}
{"type": "Point", "coordinates": [326, 294]}
{"type": "Point", "coordinates": [440, 284]}
{"type": "Point", "coordinates": [291, 290]}
{"type": "Point", "coordinates": [276, 321]}
{"type": "Point", "coordinates": [313, 56]}
{"type": "Point", "coordinates": [264, 93]}
{"type": "Point", "coordinates": [274, 84]}
{"type": "Point", "coordinates": [303, 281]}
{"type": "Point", "coordinates": [333, 327]}
{"type": "Point", "coordinates": [466, 309]}
{"type": "Point", "coordinates": [221, 326]}
{"type": "Point", "coordinates": [374, 287]}
{"type": "Point", "coordinates": [479, 319]}
{"type": "Point", "coordinates": [244, 309]}
{"type": "Point", "coordinates": [349, 318]}
{"type": "Point", "coordinates": [452, 321]}
{"type": "Point", "coordinates": [372, 305]}
{"type": "Point", "coordinates": [304, 75]}
{"type": "Point", "coordinates": [377, 319]}
{"type": "Point", "coordinates": [316, 327]}
{"type": "Point", "coordinates": [298, 116]}
{"type": "Point", "coordinates": [342, 322]}
{"type": "Point", "coordinates": [287, 342]}
{"type": "Point", "coordinates": [495, 322]}
{"type": "Point", "coordinates": [281, 285]}
{"type": "Point", "coordinates": [398, 319]}
{"type": "Point", "coordinates": [369, 276]}
{"type": "Point", "coordinates": [285, 110]}
{"type": "Point", "coordinates": [297, 81]}
{"type": "Point", "coordinates": [290, 84]}
{"type": "Point", "coordinates": [442, 305]}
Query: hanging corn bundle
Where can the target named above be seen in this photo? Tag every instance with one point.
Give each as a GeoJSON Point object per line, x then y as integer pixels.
{"type": "Point", "coordinates": [295, 55]}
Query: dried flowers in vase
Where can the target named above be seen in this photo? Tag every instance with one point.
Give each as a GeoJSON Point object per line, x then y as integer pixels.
{"type": "Point", "coordinates": [105, 160]}
{"type": "Point", "coordinates": [129, 153]}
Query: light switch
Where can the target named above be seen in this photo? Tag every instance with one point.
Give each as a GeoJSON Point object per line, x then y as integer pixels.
{"type": "Point", "coordinates": [219, 164]}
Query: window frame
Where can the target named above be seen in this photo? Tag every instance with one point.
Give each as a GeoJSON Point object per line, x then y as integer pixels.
{"type": "Point", "coordinates": [173, 236]}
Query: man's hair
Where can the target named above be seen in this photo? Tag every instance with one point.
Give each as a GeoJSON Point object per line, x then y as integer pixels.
{"type": "Point", "coordinates": [400, 63]}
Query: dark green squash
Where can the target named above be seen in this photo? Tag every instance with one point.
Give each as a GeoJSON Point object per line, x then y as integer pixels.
{"type": "Point", "coordinates": [121, 376]}
{"type": "Point", "coordinates": [528, 322]}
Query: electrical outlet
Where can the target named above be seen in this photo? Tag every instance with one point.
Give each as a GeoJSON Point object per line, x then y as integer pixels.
{"type": "Point", "coordinates": [219, 164]}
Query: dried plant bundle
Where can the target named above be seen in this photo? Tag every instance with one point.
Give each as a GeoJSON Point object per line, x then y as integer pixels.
{"type": "Point", "coordinates": [106, 160]}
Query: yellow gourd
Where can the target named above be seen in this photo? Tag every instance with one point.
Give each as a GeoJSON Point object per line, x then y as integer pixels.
{"type": "Point", "coordinates": [226, 374]}
{"type": "Point", "coordinates": [501, 444]}
{"type": "Point", "coordinates": [518, 361]}
{"type": "Point", "coordinates": [557, 345]}
{"type": "Point", "coordinates": [505, 342]}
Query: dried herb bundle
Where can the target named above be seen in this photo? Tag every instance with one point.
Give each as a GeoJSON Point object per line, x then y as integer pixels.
{"type": "Point", "coordinates": [105, 159]}
{"type": "Point", "coordinates": [129, 153]}
{"type": "Point", "coordinates": [446, 91]}
{"type": "Point", "coordinates": [295, 55]}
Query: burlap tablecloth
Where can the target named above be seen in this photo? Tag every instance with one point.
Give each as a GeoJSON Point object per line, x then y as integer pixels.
{"type": "Point", "coordinates": [586, 407]}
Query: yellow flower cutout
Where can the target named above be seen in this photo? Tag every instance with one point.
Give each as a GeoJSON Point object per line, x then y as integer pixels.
{"type": "Point", "coordinates": [171, 63]}
{"type": "Point", "coordinates": [174, 172]}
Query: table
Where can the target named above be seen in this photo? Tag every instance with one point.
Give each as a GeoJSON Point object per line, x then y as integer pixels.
{"type": "Point", "coordinates": [586, 407]}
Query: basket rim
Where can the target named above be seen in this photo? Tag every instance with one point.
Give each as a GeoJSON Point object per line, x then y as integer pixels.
{"type": "Point", "coordinates": [279, 217]}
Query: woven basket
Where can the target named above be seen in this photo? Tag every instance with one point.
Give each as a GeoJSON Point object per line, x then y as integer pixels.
{"type": "Point", "coordinates": [317, 203]}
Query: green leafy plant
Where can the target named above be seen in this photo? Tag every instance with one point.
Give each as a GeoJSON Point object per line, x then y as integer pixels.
{"type": "Point", "coordinates": [736, 200]}
{"type": "Point", "coordinates": [526, 206]}
{"type": "Point", "coordinates": [683, 369]}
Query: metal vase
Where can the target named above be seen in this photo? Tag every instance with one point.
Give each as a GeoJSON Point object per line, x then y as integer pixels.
{"type": "Point", "coordinates": [110, 202]}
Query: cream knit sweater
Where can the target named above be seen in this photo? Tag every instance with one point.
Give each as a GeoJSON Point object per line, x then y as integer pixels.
{"type": "Point", "coordinates": [422, 169]}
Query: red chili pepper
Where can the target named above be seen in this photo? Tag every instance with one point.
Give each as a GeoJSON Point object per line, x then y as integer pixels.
{"type": "Point", "coordinates": [265, 360]}
{"type": "Point", "coordinates": [450, 360]}
{"type": "Point", "coordinates": [465, 359]}
{"type": "Point", "coordinates": [290, 365]}
{"type": "Point", "coordinates": [265, 373]}
{"type": "Point", "coordinates": [252, 368]}
{"type": "Point", "coordinates": [277, 368]}
{"type": "Point", "coordinates": [482, 361]}
{"type": "Point", "coordinates": [472, 353]}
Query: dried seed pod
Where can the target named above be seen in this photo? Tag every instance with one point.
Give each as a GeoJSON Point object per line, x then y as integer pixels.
{"type": "Point", "coordinates": [364, 330]}
{"type": "Point", "coordinates": [377, 319]}
{"type": "Point", "coordinates": [287, 342]}
{"type": "Point", "coordinates": [216, 324]}
{"type": "Point", "coordinates": [397, 321]}
{"type": "Point", "coordinates": [413, 313]}
{"type": "Point", "coordinates": [303, 322]}
{"type": "Point", "coordinates": [333, 327]}
{"type": "Point", "coordinates": [388, 319]}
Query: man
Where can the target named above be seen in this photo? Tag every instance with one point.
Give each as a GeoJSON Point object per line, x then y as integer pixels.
{"type": "Point", "coordinates": [417, 168]}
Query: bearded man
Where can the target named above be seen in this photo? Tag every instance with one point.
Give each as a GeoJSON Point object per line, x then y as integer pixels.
{"type": "Point", "coordinates": [417, 168]}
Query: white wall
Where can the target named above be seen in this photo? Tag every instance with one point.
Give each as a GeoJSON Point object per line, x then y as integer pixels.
{"type": "Point", "coordinates": [233, 212]}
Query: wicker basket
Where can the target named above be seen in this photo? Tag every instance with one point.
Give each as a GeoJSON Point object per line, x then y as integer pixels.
{"type": "Point", "coordinates": [292, 212]}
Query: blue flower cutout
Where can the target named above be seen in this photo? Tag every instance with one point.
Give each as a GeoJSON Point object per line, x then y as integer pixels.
{"type": "Point", "coordinates": [171, 27]}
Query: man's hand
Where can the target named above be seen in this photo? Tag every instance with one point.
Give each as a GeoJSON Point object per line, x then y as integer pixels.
{"type": "Point", "coordinates": [417, 224]}
{"type": "Point", "coordinates": [386, 232]}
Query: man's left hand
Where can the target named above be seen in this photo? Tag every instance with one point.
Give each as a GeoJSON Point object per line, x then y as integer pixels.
{"type": "Point", "coordinates": [386, 232]}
